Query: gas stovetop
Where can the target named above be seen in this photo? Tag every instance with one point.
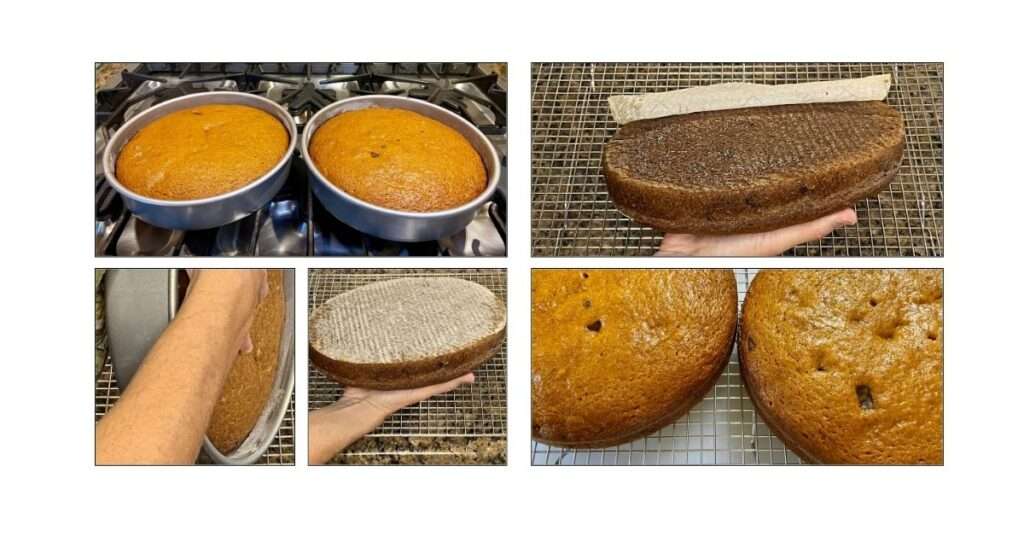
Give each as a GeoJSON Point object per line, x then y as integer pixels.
{"type": "Point", "coordinates": [294, 222]}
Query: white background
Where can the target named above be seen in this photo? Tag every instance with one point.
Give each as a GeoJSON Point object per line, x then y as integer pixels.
{"type": "Point", "coordinates": [50, 483]}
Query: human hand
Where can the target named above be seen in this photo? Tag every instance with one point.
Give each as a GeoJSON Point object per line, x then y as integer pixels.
{"type": "Point", "coordinates": [388, 402]}
{"type": "Point", "coordinates": [359, 411]}
{"type": "Point", "coordinates": [755, 244]}
{"type": "Point", "coordinates": [252, 284]}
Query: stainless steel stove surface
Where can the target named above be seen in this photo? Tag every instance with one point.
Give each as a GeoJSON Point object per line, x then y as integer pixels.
{"type": "Point", "coordinates": [294, 223]}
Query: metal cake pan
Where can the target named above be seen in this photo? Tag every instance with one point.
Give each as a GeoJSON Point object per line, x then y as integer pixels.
{"type": "Point", "coordinates": [208, 212]}
{"type": "Point", "coordinates": [398, 225]}
{"type": "Point", "coordinates": [140, 303]}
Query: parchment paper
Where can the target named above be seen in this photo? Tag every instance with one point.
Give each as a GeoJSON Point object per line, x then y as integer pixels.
{"type": "Point", "coordinates": [626, 108]}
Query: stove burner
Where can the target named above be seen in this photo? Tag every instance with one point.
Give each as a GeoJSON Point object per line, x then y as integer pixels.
{"type": "Point", "coordinates": [307, 96]}
{"type": "Point", "coordinates": [446, 92]}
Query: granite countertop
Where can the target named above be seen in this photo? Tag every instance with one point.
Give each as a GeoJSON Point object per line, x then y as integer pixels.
{"type": "Point", "coordinates": [108, 74]}
{"type": "Point", "coordinates": [425, 451]}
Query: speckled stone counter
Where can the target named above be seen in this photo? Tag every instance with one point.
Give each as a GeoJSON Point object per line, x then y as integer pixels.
{"type": "Point", "coordinates": [425, 451]}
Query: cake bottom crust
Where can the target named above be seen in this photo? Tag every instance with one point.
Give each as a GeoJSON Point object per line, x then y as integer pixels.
{"type": "Point", "coordinates": [632, 196]}
{"type": "Point", "coordinates": [409, 375]}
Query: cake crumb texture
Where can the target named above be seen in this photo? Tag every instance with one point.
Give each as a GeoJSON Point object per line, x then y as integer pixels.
{"type": "Point", "coordinates": [752, 169]}
{"type": "Point", "coordinates": [846, 365]}
{"type": "Point", "coordinates": [201, 152]}
{"type": "Point", "coordinates": [252, 376]}
{"type": "Point", "coordinates": [618, 354]}
{"type": "Point", "coordinates": [398, 159]}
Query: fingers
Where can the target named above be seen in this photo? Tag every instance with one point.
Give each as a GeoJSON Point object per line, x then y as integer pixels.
{"type": "Point", "coordinates": [775, 242]}
{"type": "Point", "coordinates": [247, 345]}
{"type": "Point", "coordinates": [450, 385]}
{"type": "Point", "coordinates": [412, 396]}
{"type": "Point", "coordinates": [755, 244]}
{"type": "Point", "coordinates": [678, 244]}
{"type": "Point", "coordinates": [264, 284]}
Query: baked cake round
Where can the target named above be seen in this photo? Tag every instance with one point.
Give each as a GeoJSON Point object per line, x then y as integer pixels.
{"type": "Point", "coordinates": [406, 332]}
{"type": "Point", "coordinates": [752, 169]}
{"type": "Point", "coordinates": [619, 354]}
{"type": "Point", "coordinates": [201, 152]}
{"type": "Point", "coordinates": [846, 365]}
{"type": "Point", "coordinates": [251, 378]}
{"type": "Point", "coordinates": [398, 159]}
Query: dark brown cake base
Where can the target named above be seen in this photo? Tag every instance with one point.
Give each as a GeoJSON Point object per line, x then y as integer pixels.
{"type": "Point", "coordinates": [753, 169]}
{"type": "Point", "coordinates": [411, 374]}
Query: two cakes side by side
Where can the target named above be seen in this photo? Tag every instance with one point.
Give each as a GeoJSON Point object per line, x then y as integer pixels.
{"type": "Point", "coordinates": [619, 354]}
{"type": "Point", "coordinates": [752, 169]}
{"type": "Point", "coordinates": [845, 366]}
{"type": "Point", "coordinates": [406, 332]}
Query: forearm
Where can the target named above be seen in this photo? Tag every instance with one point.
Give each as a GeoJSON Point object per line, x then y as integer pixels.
{"type": "Point", "coordinates": [335, 427]}
{"type": "Point", "coordinates": [163, 414]}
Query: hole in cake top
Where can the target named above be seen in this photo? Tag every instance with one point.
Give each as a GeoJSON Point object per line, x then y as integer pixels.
{"type": "Point", "coordinates": [594, 326]}
{"type": "Point", "coordinates": [932, 334]}
{"type": "Point", "coordinates": [873, 302]}
{"type": "Point", "coordinates": [586, 304]}
{"type": "Point", "coordinates": [867, 402]}
{"type": "Point", "coordinates": [585, 275]}
{"type": "Point", "coordinates": [820, 355]}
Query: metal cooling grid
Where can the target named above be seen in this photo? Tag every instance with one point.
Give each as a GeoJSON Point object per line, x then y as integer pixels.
{"type": "Point", "coordinates": [280, 452]}
{"type": "Point", "coordinates": [723, 428]}
{"type": "Point", "coordinates": [477, 410]}
{"type": "Point", "coordinates": [573, 216]}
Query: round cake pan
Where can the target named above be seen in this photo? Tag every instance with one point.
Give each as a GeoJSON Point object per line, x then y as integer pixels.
{"type": "Point", "coordinates": [140, 303]}
{"type": "Point", "coordinates": [208, 212]}
{"type": "Point", "coordinates": [391, 224]}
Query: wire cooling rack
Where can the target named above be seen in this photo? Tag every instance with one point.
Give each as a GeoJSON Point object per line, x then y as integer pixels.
{"type": "Point", "coordinates": [573, 215]}
{"type": "Point", "coordinates": [476, 410]}
{"type": "Point", "coordinates": [723, 428]}
{"type": "Point", "coordinates": [280, 452]}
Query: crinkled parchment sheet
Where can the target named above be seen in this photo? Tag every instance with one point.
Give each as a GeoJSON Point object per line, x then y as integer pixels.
{"type": "Point", "coordinates": [627, 108]}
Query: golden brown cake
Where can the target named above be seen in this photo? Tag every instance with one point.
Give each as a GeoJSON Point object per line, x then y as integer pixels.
{"type": "Point", "coordinates": [619, 354]}
{"type": "Point", "coordinates": [846, 365]}
{"type": "Point", "coordinates": [252, 376]}
{"type": "Point", "coordinates": [398, 159]}
{"type": "Point", "coordinates": [406, 332]}
{"type": "Point", "coordinates": [201, 152]}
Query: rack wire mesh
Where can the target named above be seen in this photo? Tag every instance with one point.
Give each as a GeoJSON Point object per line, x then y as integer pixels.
{"type": "Point", "coordinates": [471, 411]}
{"type": "Point", "coordinates": [280, 452]}
{"type": "Point", "coordinates": [573, 215]}
{"type": "Point", "coordinates": [723, 428]}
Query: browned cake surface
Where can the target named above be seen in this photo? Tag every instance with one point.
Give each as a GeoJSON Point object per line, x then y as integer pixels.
{"type": "Point", "coordinates": [406, 332]}
{"type": "Point", "coordinates": [252, 376]}
{"type": "Point", "coordinates": [398, 159]}
{"type": "Point", "coordinates": [201, 152]}
{"type": "Point", "coordinates": [846, 365]}
{"type": "Point", "coordinates": [752, 169]}
{"type": "Point", "coordinates": [618, 354]}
